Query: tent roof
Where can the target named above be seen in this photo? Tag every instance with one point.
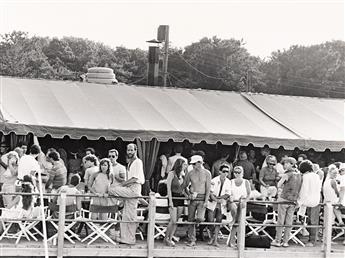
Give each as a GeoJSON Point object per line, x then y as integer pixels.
{"type": "Point", "coordinates": [76, 109]}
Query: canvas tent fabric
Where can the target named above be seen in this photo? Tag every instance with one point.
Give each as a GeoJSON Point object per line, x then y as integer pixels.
{"type": "Point", "coordinates": [76, 109]}
{"type": "Point", "coordinates": [320, 121]}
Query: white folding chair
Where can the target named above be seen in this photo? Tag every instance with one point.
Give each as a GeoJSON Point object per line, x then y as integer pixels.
{"type": "Point", "coordinates": [161, 228]}
{"type": "Point", "coordinates": [342, 230]}
{"type": "Point", "coordinates": [99, 229]}
{"type": "Point", "coordinates": [32, 225]}
{"type": "Point", "coordinates": [295, 230]}
{"type": "Point", "coordinates": [270, 217]}
{"type": "Point", "coordinates": [227, 223]}
{"type": "Point", "coordinates": [140, 217]}
{"type": "Point", "coordinates": [69, 234]}
{"type": "Point", "coordinates": [24, 229]}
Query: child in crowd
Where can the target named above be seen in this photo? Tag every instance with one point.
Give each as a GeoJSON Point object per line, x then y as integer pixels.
{"type": "Point", "coordinates": [290, 183]}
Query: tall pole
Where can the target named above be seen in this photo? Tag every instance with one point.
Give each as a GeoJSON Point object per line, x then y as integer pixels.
{"type": "Point", "coordinates": [165, 57]}
{"type": "Point", "coordinates": [249, 81]}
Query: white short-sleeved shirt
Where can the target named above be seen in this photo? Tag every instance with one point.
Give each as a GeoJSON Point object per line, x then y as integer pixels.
{"type": "Point", "coordinates": [70, 200]}
{"type": "Point", "coordinates": [136, 170]}
{"type": "Point", "coordinates": [26, 164]}
{"type": "Point", "coordinates": [215, 189]}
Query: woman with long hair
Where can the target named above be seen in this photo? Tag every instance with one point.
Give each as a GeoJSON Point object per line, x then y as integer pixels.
{"type": "Point", "coordinates": [174, 186]}
{"type": "Point", "coordinates": [99, 183]}
{"type": "Point", "coordinates": [23, 205]}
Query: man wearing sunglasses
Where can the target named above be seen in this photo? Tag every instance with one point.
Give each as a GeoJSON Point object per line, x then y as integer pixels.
{"type": "Point", "coordinates": [220, 192]}
{"type": "Point", "coordinates": [119, 171]}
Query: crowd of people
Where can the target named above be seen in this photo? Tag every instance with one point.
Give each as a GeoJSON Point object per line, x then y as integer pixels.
{"type": "Point", "coordinates": [191, 187]}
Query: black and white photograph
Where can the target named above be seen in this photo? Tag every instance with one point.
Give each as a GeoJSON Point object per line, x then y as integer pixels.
{"type": "Point", "coordinates": [170, 128]}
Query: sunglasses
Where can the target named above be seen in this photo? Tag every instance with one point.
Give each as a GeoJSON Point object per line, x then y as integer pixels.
{"type": "Point", "coordinates": [271, 164]}
{"type": "Point", "coordinates": [111, 156]}
{"type": "Point", "coordinates": [225, 171]}
{"type": "Point", "coordinates": [237, 172]}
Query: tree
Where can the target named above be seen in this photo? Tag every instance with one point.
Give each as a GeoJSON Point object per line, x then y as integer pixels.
{"type": "Point", "coordinates": [318, 70]}
{"type": "Point", "coordinates": [23, 57]}
{"type": "Point", "coordinates": [213, 63]}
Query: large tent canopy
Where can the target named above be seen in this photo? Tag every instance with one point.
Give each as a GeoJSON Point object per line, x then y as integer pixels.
{"type": "Point", "coordinates": [76, 109]}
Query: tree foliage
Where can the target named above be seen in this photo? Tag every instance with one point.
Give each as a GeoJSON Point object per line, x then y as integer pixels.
{"type": "Point", "coordinates": [211, 63]}
{"type": "Point", "coordinates": [217, 64]}
{"type": "Point", "coordinates": [318, 70]}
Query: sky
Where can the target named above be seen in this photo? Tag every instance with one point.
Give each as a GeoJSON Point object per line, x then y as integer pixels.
{"type": "Point", "coordinates": [264, 26]}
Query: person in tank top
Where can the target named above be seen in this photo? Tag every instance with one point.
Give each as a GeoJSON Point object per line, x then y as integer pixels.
{"type": "Point", "coordinates": [240, 191]}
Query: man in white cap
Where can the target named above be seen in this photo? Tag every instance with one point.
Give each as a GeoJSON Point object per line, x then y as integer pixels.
{"type": "Point", "coordinates": [199, 180]}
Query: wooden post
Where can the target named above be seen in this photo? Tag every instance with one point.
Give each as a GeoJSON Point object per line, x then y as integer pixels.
{"type": "Point", "coordinates": [151, 225]}
{"type": "Point", "coordinates": [44, 225]}
{"type": "Point", "coordinates": [61, 228]}
{"type": "Point", "coordinates": [327, 231]}
{"type": "Point", "coordinates": [241, 231]}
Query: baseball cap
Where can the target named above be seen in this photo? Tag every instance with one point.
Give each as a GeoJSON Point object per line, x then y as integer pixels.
{"type": "Point", "coordinates": [196, 158]}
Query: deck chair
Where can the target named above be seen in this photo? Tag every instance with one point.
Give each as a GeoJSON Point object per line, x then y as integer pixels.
{"type": "Point", "coordinates": [32, 226]}
{"type": "Point", "coordinates": [264, 214]}
{"type": "Point", "coordinates": [69, 234]}
{"type": "Point", "coordinates": [99, 229]}
{"type": "Point", "coordinates": [162, 219]}
{"type": "Point", "coordinates": [227, 221]}
{"type": "Point", "coordinates": [342, 230]}
{"type": "Point", "coordinates": [140, 217]}
{"type": "Point", "coordinates": [295, 230]}
{"type": "Point", "coordinates": [24, 226]}
{"type": "Point", "coordinates": [161, 228]}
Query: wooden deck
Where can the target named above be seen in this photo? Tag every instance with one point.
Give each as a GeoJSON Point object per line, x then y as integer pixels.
{"type": "Point", "coordinates": [101, 249]}
{"type": "Point", "coordinates": [155, 248]}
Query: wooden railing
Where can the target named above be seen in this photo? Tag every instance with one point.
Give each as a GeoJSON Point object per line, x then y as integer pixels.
{"type": "Point", "coordinates": [327, 224]}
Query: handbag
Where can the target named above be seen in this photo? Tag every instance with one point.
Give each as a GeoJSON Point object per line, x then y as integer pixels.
{"type": "Point", "coordinates": [257, 241]}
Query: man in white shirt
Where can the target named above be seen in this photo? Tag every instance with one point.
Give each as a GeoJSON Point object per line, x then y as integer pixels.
{"type": "Point", "coordinates": [216, 208]}
{"type": "Point", "coordinates": [28, 164]}
{"type": "Point", "coordinates": [131, 188]}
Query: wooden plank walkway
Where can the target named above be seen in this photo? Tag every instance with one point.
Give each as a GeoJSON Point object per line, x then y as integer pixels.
{"type": "Point", "coordinates": [102, 249]}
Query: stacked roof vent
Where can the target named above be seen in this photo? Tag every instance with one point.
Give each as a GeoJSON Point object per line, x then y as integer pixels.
{"type": "Point", "coordinates": [101, 75]}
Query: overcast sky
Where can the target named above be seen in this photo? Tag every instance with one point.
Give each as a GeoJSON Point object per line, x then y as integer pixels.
{"type": "Point", "coordinates": [265, 26]}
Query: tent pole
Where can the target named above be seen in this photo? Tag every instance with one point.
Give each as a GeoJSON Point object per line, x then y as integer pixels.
{"type": "Point", "coordinates": [45, 242]}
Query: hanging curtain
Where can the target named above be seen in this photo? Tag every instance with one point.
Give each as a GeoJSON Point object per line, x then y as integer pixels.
{"type": "Point", "coordinates": [15, 140]}
{"type": "Point", "coordinates": [147, 152]}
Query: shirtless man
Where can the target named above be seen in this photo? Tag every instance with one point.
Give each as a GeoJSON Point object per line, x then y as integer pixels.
{"type": "Point", "coordinates": [199, 193]}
